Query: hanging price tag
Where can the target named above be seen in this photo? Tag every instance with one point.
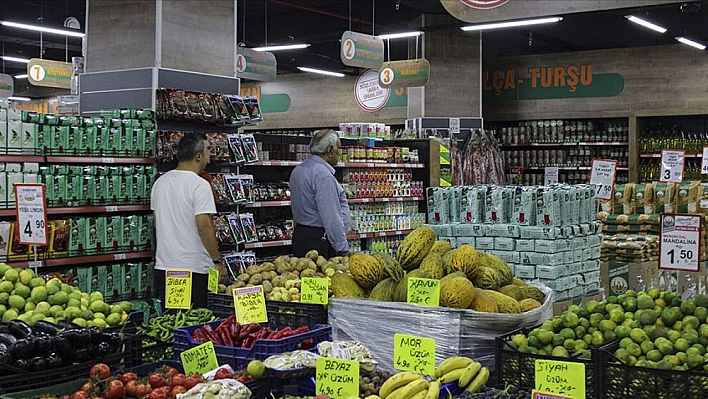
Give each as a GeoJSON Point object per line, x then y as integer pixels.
{"type": "Point", "coordinates": [416, 354]}
{"type": "Point", "coordinates": [672, 162]}
{"type": "Point", "coordinates": [178, 289]}
{"type": "Point", "coordinates": [602, 176]}
{"type": "Point", "coordinates": [339, 379]}
{"type": "Point", "coordinates": [200, 359]}
{"type": "Point", "coordinates": [550, 175]}
{"type": "Point", "coordinates": [424, 291]}
{"type": "Point", "coordinates": [315, 290]}
{"type": "Point", "coordinates": [250, 305]}
{"type": "Point", "coordinates": [563, 378]}
{"type": "Point", "coordinates": [704, 162]}
{"type": "Point", "coordinates": [213, 282]}
{"type": "Point", "coordinates": [679, 242]}
{"type": "Point", "coordinates": [31, 213]}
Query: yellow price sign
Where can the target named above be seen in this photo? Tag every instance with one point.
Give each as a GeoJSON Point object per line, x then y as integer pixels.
{"type": "Point", "coordinates": [545, 395]}
{"type": "Point", "coordinates": [213, 282]}
{"type": "Point", "coordinates": [315, 290]}
{"type": "Point", "coordinates": [200, 359]}
{"type": "Point", "coordinates": [178, 289]}
{"type": "Point", "coordinates": [250, 305]}
{"type": "Point", "coordinates": [563, 378]}
{"type": "Point", "coordinates": [337, 378]}
{"type": "Point", "coordinates": [424, 291]}
{"type": "Point", "coordinates": [416, 354]}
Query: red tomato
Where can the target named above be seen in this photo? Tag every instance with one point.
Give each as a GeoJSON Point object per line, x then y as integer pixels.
{"type": "Point", "coordinates": [87, 386]}
{"type": "Point", "coordinates": [160, 393]}
{"type": "Point", "coordinates": [130, 388]}
{"type": "Point", "coordinates": [156, 380]}
{"type": "Point", "coordinates": [114, 389]}
{"type": "Point", "coordinates": [178, 379]}
{"type": "Point", "coordinates": [125, 377]}
{"type": "Point", "coordinates": [177, 389]}
{"type": "Point", "coordinates": [65, 397]}
{"type": "Point", "coordinates": [80, 395]}
{"type": "Point", "coordinates": [170, 371]}
{"type": "Point", "coordinates": [99, 371]}
{"type": "Point", "coordinates": [142, 390]}
{"type": "Point", "coordinates": [223, 374]}
{"type": "Point", "coordinates": [191, 381]}
{"type": "Point", "coordinates": [244, 378]}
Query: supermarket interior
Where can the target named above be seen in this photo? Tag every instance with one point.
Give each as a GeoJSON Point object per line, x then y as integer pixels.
{"type": "Point", "coordinates": [384, 199]}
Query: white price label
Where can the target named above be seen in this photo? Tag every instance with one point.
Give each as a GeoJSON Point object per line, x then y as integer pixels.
{"type": "Point", "coordinates": [550, 175]}
{"type": "Point", "coordinates": [31, 214]}
{"type": "Point", "coordinates": [704, 162]}
{"type": "Point", "coordinates": [672, 162]}
{"type": "Point", "coordinates": [339, 351]}
{"type": "Point", "coordinates": [603, 177]}
{"type": "Point", "coordinates": [679, 244]}
{"type": "Point", "coordinates": [454, 125]}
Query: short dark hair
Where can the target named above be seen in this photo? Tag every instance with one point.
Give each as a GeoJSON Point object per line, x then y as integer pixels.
{"type": "Point", "coordinates": [190, 145]}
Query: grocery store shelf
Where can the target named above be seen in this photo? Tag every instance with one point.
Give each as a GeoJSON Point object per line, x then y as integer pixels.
{"type": "Point", "coordinates": [353, 236]}
{"type": "Point", "coordinates": [100, 160]}
{"type": "Point", "coordinates": [268, 244]}
{"type": "Point", "coordinates": [560, 168]}
{"type": "Point", "coordinates": [659, 156]}
{"type": "Point", "coordinates": [344, 164]}
{"type": "Point", "coordinates": [267, 204]}
{"type": "Point", "coordinates": [567, 143]}
{"type": "Point", "coordinates": [84, 209]}
{"type": "Point", "coordinates": [273, 163]}
{"type": "Point", "coordinates": [273, 204]}
{"type": "Point", "coordinates": [9, 158]}
{"type": "Point", "coordinates": [77, 260]}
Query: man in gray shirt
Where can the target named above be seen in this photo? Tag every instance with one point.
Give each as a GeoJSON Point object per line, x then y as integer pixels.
{"type": "Point", "coordinates": [319, 205]}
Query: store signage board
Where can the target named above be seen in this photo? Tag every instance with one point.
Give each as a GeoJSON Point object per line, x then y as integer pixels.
{"type": "Point", "coordinates": [360, 50]}
{"type": "Point", "coordinates": [563, 378]}
{"type": "Point", "coordinates": [7, 86]}
{"type": "Point", "coordinates": [314, 290]}
{"type": "Point", "coordinates": [406, 73]}
{"type": "Point", "coordinates": [672, 162]}
{"type": "Point", "coordinates": [545, 395]}
{"type": "Point", "coordinates": [213, 282]}
{"type": "Point", "coordinates": [424, 291]}
{"type": "Point", "coordinates": [337, 378]}
{"type": "Point", "coordinates": [199, 360]}
{"type": "Point", "coordinates": [48, 73]}
{"type": "Point", "coordinates": [416, 354]}
{"type": "Point", "coordinates": [550, 175]}
{"type": "Point", "coordinates": [31, 213]}
{"type": "Point", "coordinates": [370, 96]}
{"type": "Point", "coordinates": [483, 4]}
{"type": "Point", "coordinates": [178, 289]}
{"type": "Point", "coordinates": [255, 65]}
{"type": "Point", "coordinates": [679, 242]}
{"type": "Point", "coordinates": [250, 305]}
{"type": "Point", "coordinates": [704, 162]}
{"type": "Point", "coordinates": [602, 175]}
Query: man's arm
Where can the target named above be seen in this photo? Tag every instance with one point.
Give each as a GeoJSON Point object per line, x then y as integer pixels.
{"type": "Point", "coordinates": [330, 211]}
{"type": "Point", "coordinates": [205, 227]}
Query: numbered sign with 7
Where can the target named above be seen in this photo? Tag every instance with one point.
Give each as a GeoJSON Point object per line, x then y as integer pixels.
{"type": "Point", "coordinates": [315, 290]}
{"type": "Point", "coordinates": [337, 378]}
{"type": "Point", "coordinates": [416, 354]}
{"type": "Point", "coordinates": [680, 242]}
{"type": "Point", "coordinates": [564, 378]}
{"type": "Point", "coordinates": [178, 289]}
{"type": "Point", "coordinates": [672, 162]}
{"type": "Point", "coordinates": [250, 305]}
{"type": "Point", "coordinates": [200, 359]}
{"type": "Point", "coordinates": [31, 213]}
{"type": "Point", "coordinates": [602, 176]}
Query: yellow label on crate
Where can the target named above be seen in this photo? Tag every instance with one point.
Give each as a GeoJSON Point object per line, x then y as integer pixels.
{"type": "Point", "coordinates": [337, 378]}
{"type": "Point", "coordinates": [213, 283]}
{"type": "Point", "coordinates": [200, 359]}
{"type": "Point", "coordinates": [250, 305]}
{"type": "Point", "coordinates": [178, 289]}
{"type": "Point", "coordinates": [416, 354]}
{"type": "Point", "coordinates": [563, 378]}
{"type": "Point", "coordinates": [315, 290]}
{"type": "Point", "coordinates": [424, 291]}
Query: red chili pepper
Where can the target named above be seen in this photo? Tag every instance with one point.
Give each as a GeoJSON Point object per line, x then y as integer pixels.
{"type": "Point", "coordinates": [272, 335]}
{"type": "Point", "coordinates": [310, 343]}
{"type": "Point", "coordinates": [234, 329]}
{"type": "Point", "coordinates": [226, 338]}
{"type": "Point", "coordinates": [301, 330]}
{"type": "Point", "coordinates": [264, 333]}
{"type": "Point", "coordinates": [283, 333]}
{"type": "Point", "coordinates": [209, 333]}
{"type": "Point", "coordinates": [246, 342]}
{"type": "Point", "coordinates": [247, 330]}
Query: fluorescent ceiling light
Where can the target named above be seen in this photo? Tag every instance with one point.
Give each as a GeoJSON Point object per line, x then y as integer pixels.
{"type": "Point", "coordinates": [43, 29]}
{"type": "Point", "coordinates": [21, 76]}
{"type": "Point", "coordinates": [283, 47]}
{"type": "Point", "coordinates": [400, 35]}
{"type": "Point", "coordinates": [691, 43]}
{"type": "Point", "coordinates": [510, 24]}
{"type": "Point", "coordinates": [645, 24]}
{"type": "Point", "coordinates": [19, 98]}
{"type": "Point", "coordinates": [321, 72]}
{"type": "Point", "coordinates": [15, 59]}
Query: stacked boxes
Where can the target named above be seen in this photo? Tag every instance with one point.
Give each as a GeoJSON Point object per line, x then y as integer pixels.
{"type": "Point", "coordinates": [117, 281]}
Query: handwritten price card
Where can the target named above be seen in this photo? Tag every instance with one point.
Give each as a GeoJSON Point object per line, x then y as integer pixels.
{"type": "Point", "coordinates": [213, 282]}
{"type": "Point", "coordinates": [424, 291]}
{"type": "Point", "coordinates": [200, 359]}
{"type": "Point", "coordinates": [602, 175]}
{"type": "Point", "coordinates": [544, 395]}
{"type": "Point", "coordinates": [250, 305]}
{"type": "Point", "coordinates": [414, 354]}
{"type": "Point", "coordinates": [338, 379]}
{"type": "Point", "coordinates": [563, 378]}
{"type": "Point", "coordinates": [178, 289]}
{"type": "Point", "coordinates": [315, 290]}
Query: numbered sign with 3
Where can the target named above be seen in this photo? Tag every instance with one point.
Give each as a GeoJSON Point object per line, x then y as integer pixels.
{"type": "Point", "coordinates": [602, 175]}
{"type": "Point", "coordinates": [337, 378]}
{"type": "Point", "coordinates": [672, 163]}
{"type": "Point", "coordinates": [416, 354]}
{"type": "Point", "coordinates": [250, 305]}
{"type": "Point", "coordinates": [679, 242]}
{"type": "Point", "coordinates": [178, 289]}
{"type": "Point", "coordinates": [31, 213]}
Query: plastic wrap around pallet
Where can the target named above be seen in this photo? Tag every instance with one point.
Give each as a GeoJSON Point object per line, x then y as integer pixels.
{"type": "Point", "coordinates": [456, 332]}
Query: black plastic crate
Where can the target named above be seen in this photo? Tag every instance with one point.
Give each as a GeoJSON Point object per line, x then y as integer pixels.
{"type": "Point", "coordinates": [519, 369]}
{"type": "Point", "coordinates": [223, 306]}
{"type": "Point", "coordinates": [156, 352]}
{"type": "Point", "coordinates": [622, 381]}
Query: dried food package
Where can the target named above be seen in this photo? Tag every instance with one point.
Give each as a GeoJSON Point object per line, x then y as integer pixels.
{"type": "Point", "coordinates": [194, 109]}
{"type": "Point", "coordinates": [223, 232]}
{"type": "Point", "coordinates": [288, 228]}
{"type": "Point", "coordinates": [163, 107]}
{"type": "Point", "coordinates": [249, 258]}
{"type": "Point", "coordinates": [206, 106]}
{"type": "Point", "coordinates": [236, 228]}
{"type": "Point", "coordinates": [250, 147]}
{"type": "Point", "coordinates": [263, 233]}
{"type": "Point", "coordinates": [60, 235]}
{"type": "Point", "coordinates": [249, 227]}
{"type": "Point", "coordinates": [246, 182]}
{"type": "Point", "coordinates": [223, 113]}
{"type": "Point", "coordinates": [219, 147]}
{"type": "Point", "coordinates": [239, 107]}
{"type": "Point", "coordinates": [254, 110]}
{"type": "Point", "coordinates": [219, 186]}
{"type": "Point", "coordinates": [234, 264]}
{"type": "Point", "coordinates": [233, 184]}
{"type": "Point", "coordinates": [236, 147]}
{"type": "Point", "coordinates": [178, 104]}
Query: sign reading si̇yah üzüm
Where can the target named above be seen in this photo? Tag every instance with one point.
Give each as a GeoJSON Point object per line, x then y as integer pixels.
{"type": "Point", "coordinates": [548, 82]}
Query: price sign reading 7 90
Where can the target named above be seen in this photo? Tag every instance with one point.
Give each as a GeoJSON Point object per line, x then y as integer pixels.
{"type": "Point", "coordinates": [250, 305]}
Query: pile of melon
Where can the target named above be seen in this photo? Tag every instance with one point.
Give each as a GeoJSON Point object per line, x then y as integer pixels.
{"type": "Point", "coordinates": [468, 279]}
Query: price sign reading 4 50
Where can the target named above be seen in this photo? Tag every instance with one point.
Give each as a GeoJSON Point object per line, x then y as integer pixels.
{"type": "Point", "coordinates": [315, 290]}
{"type": "Point", "coordinates": [603, 177]}
{"type": "Point", "coordinates": [250, 305]}
{"type": "Point", "coordinates": [336, 378]}
{"type": "Point", "coordinates": [200, 359]}
{"type": "Point", "coordinates": [178, 289]}
{"type": "Point", "coordinates": [416, 354]}
{"type": "Point", "coordinates": [564, 378]}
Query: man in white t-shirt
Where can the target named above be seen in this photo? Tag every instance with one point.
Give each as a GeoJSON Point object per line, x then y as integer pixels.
{"type": "Point", "coordinates": [184, 204]}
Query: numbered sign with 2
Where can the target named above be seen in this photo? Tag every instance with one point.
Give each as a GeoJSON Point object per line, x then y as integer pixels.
{"type": "Point", "coordinates": [31, 213]}
{"type": "Point", "coordinates": [602, 175]}
{"type": "Point", "coordinates": [672, 163]}
{"type": "Point", "coordinates": [564, 378]}
{"type": "Point", "coordinates": [178, 289]}
{"type": "Point", "coordinates": [337, 378]}
{"type": "Point", "coordinates": [679, 242]}
{"type": "Point", "coordinates": [416, 354]}
{"type": "Point", "coordinates": [250, 305]}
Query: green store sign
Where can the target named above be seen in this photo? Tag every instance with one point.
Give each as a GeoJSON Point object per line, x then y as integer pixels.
{"type": "Point", "coordinates": [550, 82]}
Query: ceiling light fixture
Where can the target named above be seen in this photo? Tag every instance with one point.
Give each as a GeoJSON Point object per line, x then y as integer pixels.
{"type": "Point", "coordinates": [15, 59]}
{"type": "Point", "coordinates": [283, 47]}
{"type": "Point", "coordinates": [21, 76]}
{"type": "Point", "coordinates": [19, 98]}
{"type": "Point", "coordinates": [511, 24]}
{"type": "Point", "coordinates": [645, 23]}
{"type": "Point", "coordinates": [42, 29]}
{"type": "Point", "coordinates": [321, 72]}
{"type": "Point", "coordinates": [691, 43]}
{"type": "Point", "coordinates": [400, 35]}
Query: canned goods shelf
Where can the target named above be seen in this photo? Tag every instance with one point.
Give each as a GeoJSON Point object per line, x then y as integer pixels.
{"type": "Point", "coordinates": [274, 204]}
{"type": "Point", "coordinates": [659, 156]}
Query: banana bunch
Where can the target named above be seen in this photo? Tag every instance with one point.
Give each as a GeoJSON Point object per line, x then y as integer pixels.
{"type": "Point", "coordinates": [408, 385]}
{"type": "Point", "coordinates": [468, 373]}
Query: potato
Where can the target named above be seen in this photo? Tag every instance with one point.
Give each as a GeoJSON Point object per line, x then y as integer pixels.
{"type": "Point", "coordinates": [312, 254]}
{"type": "Point", "coordinates": [243, 277]}
{"type": "Point", "coordinates": [265, 275]}
{"type": "Point", "coordinates": [293, 262]}
{"type": "Point", "coordinates": [279, 281]}
{"type": "Point", "coordinates": [267, 287]}
{"type": "Point", "coordinates": [279, 261]}
{"type": "Point", "coordinates": [291, 276]}
{"type": "Point", "coordinates": [311, 265]}
{"type": "Point", "coordinates": [239, 284]}
{"type": "Point", "coordinates": [321, 261]}
{"type": "Point", "coordinates": [320, 275]}
{"type": "Point", "coordinates": [256, 280]}
{"type": "Point", "coordinates": [272, 275]}
{"type": "Point", "coordinates": [253, 270]}
{"type": "Point", "coordinates": [308, 273]}
{"type": "Point", "coordinates": [267, 267]}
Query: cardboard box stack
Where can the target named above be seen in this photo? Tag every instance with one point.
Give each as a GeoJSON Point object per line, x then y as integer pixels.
{"type": "Point", "coordinates": [546, 233]}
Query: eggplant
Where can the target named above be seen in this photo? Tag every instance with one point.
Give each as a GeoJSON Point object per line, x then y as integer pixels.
{"type": "Point", "coordinates": [103, 349]}
{"type": "Point", "coordinates": [63, 347]}
{"type": "Point", "coordinates": [23, 364]}
{"type": "Point", "coordinates": [68, 325]}
{"type": "Point", "coordinates": [79, 336]}
{"type": "Point", "coordinates": [81, 355]}
{"type": "Point", "coordinates": [54, 361]}
{"type": "Point", "coordinates": [46, 327]}
{"type": "Point", "coordinates": [7, 339]}
{"type": "Point", "coordinates": [44, 344]}
{"type": "Point", "coordinates": [19, 328]}
{"type": "Point", "coordinates": [95, 334]}
{"type": "Point", "coordinates": [38, 364]}
{"type": "Point", "coordinates": [3, 348]}
{"type": "Point", "coordinates": [24, 348]}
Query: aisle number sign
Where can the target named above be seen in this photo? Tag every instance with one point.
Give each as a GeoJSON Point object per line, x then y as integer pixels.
{"type": "Point", "coordinates": [602, 175]}
{"type": "Point", "coordinates": [360, 50]}
{"type": "Point", "coordinates": [255, 65]}
{"type": "Point", "coordinates": [31, 213]}
{"type": "Point", "coordinates": [49, 73]}
{"type": "Point", "coordinates": [213, 282]}
{"type": "Point", "coordinates": [406, 73]}
{"type": "Point", "coordinates": [178, 289]}
{"type": "Point", "coordinates": [704, 162]}
{"type": "Point", "coordinates": [550, 175]}
{"type": "Point", "coordinates": [563, 378]}
{"type": "Point", "coordinates": [416, 354]}
{"type": "Point", "coordinates": [315, 290]}
{"type": "Point", "coordinates": [250, 305]}
{"type": "Point", "coordinates": [672, 162]}
{"type": "Point", "coordinates": [200, 359]}
{"type": "Point", "coordinates": [424, 291]}
{"type": "Point", "coordinates": [679, 242]}
{"type": "Point", "coordinates": [337, 378]}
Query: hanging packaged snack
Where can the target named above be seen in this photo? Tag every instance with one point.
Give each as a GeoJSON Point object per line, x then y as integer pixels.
{"type": "Point", "coordinates": [223, 232]}
{"type": "Point", "coordinates": [194, 109]}
{"type": "Point", "coordinates": [206, 107]}
{"type": "Point", "coordinates": [236, 147]}
{"type": "Point", "coordinates": [249, 227]}
{"type": "Point", "coordinates": [250, 147]}
{"type": "Point", "coordinates": [246, 182]}
{"type": "Point", "coordinates": [236, 228]}
{"type": "Point", "coordinates": [179, 109]}
{"type": "Point", "coordinates": [254, 110]}
{"type": "Point", "coordinates": [234, 264]}
{"type": "Point", "coordinates": [223, 197]}
{"type": "Point", "coordinates": [233, 183]}
{"type": "Point", "coordinates": [219, 147]}
{"type": "Point", "coordinates": [222, 110]}
{"type": "Point", "coordinates": [248, 258]}
{"type": "Point", "coordinates": [239, 108]}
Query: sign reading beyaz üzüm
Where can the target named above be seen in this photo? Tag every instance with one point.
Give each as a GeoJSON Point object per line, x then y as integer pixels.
{"type": "Point", "coordinates": [255, 65]}
{"type": "Point", "coordinates": [548, 82]}
{"type": "Point", "coordinates": [406, 73]}
{"type": "Point", "coordinates": [360, 50]}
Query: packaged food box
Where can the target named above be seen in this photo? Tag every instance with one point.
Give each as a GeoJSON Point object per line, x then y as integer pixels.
{"type": "Point", "coordinates": [525, 245]}
{"type": "Point", "coordinates": [485, 243]}
{"type": "Point", "coordinates": [524, 206]}
{"type": "Point", "coordinates": [464, 241]}
{"type": "Point", "coordinates": [14, 137]}
{"type": "Point", "coordinates": [538, 232]}
{"type": "Point", "coordinates": [553, 246]}
{"type": "Point", "coordinates": [472, 204]}
{"type": "Point", "coordinates": [535, 258]}
{"type": "Point", "coordinates": [455, 198]}
{"type": "Point", "coordinates": [504, 244]}
{"type": "Point", "coordinates": [438, 212]}
{"type": "Point", "coordinates": [504, 230]}
{"type": "Point", "coordinates": [524, 271]}
{"type": "Point", "coordinates": [548, 211]}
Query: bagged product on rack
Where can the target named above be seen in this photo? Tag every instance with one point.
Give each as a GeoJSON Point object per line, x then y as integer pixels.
{"type": "Point", "coordinates": [664, 197]}
{"type": "Point", "coordinates": [179, 109]}
{"type": "Point", "coordinates": [246, 183]}
{"type": "Point", "coordinates": [223, 230]}
{"type": "Point", "coordinates": [206, 107]}
{"type": "Point", "coordinates": [234, 222]}
{"type": "Point", "coordinates": [249, 227]}
{"type": "Point", "coordinates": [236, 147]}
{"type": "Point", "coordinates": [219, 147]}
{"type": "Point", "coordinates": [218, 184]}
{"type": "Point", "coordinates": [644, 198]}
{"type": "Point", "coordinates": [250, 147]}
{"type": "Point", "coordinates": [472, 204]}
{"type": "Point", "coordinates": [688, 194]}
{"type": "Point", "coordinates": [254, 110]}
{"type": "Point", "coordinates": [239, 107]}
{"type": "Point", "coordinates": [234, 264]}
{"type": "Point", "coordinates": [524, 206]}
{"type": "Point", "coordinates": [233, 183]}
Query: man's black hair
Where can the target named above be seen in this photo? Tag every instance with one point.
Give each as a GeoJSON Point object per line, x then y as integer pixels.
{"type": "Point", "coordinates": [190, 145]}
